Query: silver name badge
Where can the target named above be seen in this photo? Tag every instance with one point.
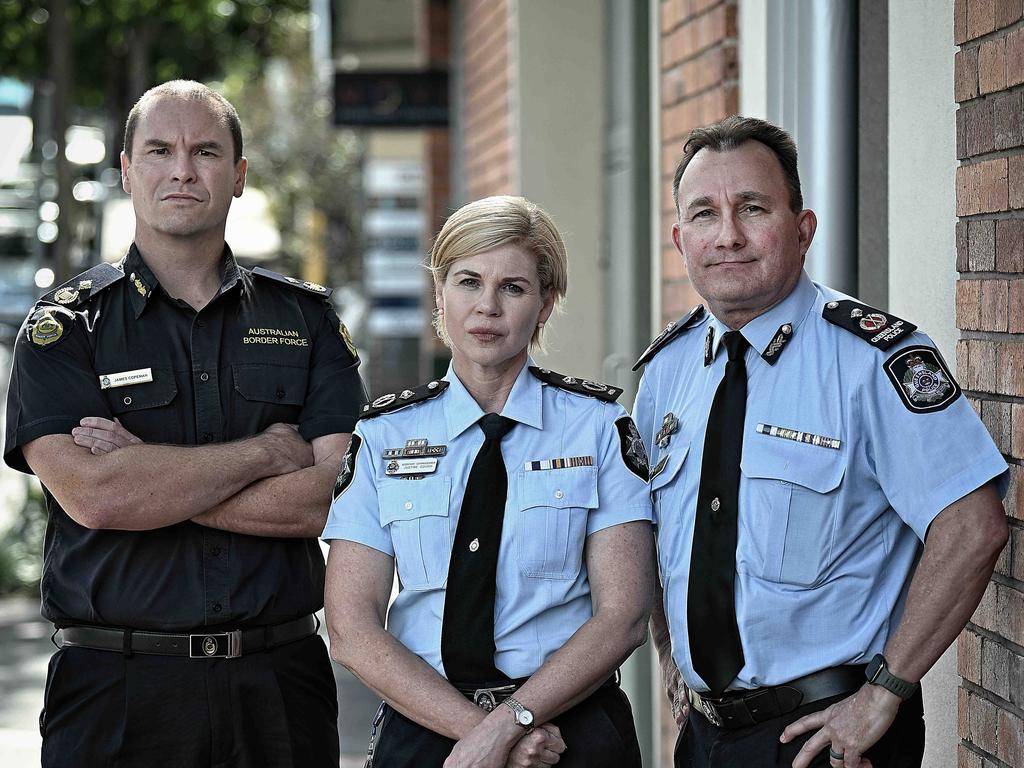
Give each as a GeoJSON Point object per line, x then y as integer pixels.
{"type": "Point", "coordinates": [124, 378]}
{"type": "Point", "coordinates": [410, 467]}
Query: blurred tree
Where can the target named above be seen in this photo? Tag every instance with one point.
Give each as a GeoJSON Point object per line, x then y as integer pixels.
{"type": "Point", "coordinates": [308, 168]}
{"type": "Point", "coordinates": [119, 48]}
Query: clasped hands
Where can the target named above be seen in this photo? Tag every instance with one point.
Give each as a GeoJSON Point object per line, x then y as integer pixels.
{"type": "Point", "coordinates": [502, 744]}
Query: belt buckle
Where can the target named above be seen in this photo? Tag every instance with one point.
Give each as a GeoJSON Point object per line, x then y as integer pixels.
{"type": "Point", "coordinates": [220, 645]}
{"type": "Point", "coordinates": [485, 697]}
{"type": "Point", "coordinates": [709, 711]}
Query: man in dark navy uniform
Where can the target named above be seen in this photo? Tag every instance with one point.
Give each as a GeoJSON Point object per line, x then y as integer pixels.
{"type": "Point", "coordinates": [187, 419]}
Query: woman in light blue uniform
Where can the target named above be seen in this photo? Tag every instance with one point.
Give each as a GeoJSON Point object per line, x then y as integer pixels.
{"type": "Point", "coordinates": [514, 503]}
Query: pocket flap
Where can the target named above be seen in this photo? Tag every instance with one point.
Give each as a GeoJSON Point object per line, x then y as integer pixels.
{"type": "Point", "coordinates": [674, 456]}
{"type": "Point", "coordinates": [151, 394]}
{"type": "Point", "coordinates": [813, 467]}
{"type": "Point", "coordinates": [412, 499]}
{"type": "Point", "coordinates": [283, 384]}
{"type": "Point", "coordinates": [560, 488]}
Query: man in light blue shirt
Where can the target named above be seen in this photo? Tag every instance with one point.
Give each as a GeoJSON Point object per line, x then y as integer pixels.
{"type": "Point", "coordinates": [857, 446]}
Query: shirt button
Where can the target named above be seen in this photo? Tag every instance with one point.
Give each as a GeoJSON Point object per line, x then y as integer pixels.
{"type": "Point", "coordinates": [279, 393]}
{"type": "Point", "coordinates": [216, 608]}
{"type": "Point", "coordinates": [559, 493]}
{"type": "Point", "coordinates": [715, 504]}
{"type": "Point", "coordinates": [408, 505]}
{"type": "Point", "coordinates": [215, 552]}
{"type": "Point", "coordinates": [200, 323]}
{"type": "Point", "coordinates": [208, 437]}
{"type": "Point", "coordinates": [204, 377]}
{"type": "Point", "coordinates": [127, 401]}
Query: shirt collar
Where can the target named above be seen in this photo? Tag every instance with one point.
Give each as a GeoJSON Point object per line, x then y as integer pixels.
{"type": "Point", "coordinates": [144, 283]}
{"type": "Point", "coordinates": [769, 332]}
{"type": "Point", "coordinates": [524, 403]}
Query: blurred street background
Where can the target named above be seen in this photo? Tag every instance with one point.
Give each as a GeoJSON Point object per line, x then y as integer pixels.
{"type": "Point", "coordinates": [366, 122]}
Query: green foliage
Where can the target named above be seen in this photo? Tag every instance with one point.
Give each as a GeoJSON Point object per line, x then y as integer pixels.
{"type": "Point", "coordinates": [21, 547]}
{"type": "Point", "coordinates": [197, 39]}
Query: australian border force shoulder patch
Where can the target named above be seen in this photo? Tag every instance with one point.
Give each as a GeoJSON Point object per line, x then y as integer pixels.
{"type": "Point", "coordinates": [922, 379]}
{"type": "Point", "coordinates": [631, 446]}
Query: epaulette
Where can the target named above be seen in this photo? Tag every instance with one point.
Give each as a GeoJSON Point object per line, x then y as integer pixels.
{"type": "Point", "coordinates": [877, 328]}
{"type": "Point", "coordinates": [393, 402]}
{"type": "Point", "coordinates": [596, 389]}
{"type": "Point", "coordinates": [302, 285]}
{"type": "Point", "coordinates": [87, 285]}
{"type": "Point", "coordinates": [672, 330]}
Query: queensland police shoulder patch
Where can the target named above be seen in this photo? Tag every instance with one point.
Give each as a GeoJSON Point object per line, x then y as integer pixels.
{"type": "Point", "coordinates": [348, 466]}
{"type": "Point", "coordinates": [877, 328]}
{"type": "Point", "coordinates": [631, 446]}
{"type": "Point", "coordinates": [922, 379]}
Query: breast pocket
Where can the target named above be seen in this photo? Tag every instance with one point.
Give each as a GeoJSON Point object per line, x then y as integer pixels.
{"type": "Point", "coordinates": [664, 473]}
{"type": "Point", "coordinates": [146, 409]}
{"type": "Point", "coordinates": [265, 395]}
{"type": "Point", "coordinates": [416, 512]}
{"type": "Point", "coordinates": [550, 523]}
{"type": "Point", "coordinates": [793, 492]}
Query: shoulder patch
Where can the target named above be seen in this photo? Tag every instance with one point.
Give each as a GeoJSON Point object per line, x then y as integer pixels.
{"type": "Point", "coordinates": [672, 330]}
{"type": "Point", "coordinates": [877, 328]}
{"type": "Point", "coordinates": [300, 285]}
{"type": "Point", "coordinates": [394, 402]}
{"type": "Point", "coordinates": [586, 387]}
{"type": "Point", "coordinates": [348, 466]}
{"type": "Point", "coordinates": [631, 447]}
{"type": "Point", "coordinates": [922, 379]}
{"type": "Point", "coordinates": [49, 325]}
{"type": "Point", "coordinates": [87, 285]}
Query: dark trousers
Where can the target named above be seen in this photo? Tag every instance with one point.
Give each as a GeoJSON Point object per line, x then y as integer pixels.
{"type": "Point", "coordinates": [598, 733]}
{"type": "Point", "coordinates": [703, 745]}
{"type": "Point", "coordinates": [276, 709]}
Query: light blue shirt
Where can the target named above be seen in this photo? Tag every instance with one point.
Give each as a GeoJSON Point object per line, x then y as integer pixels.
{"type": "Point", "coordinates": [543, 593]}
{"type": "Point", "coordinates": [829, 530]}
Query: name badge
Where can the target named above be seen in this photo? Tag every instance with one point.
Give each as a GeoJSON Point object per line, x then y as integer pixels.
{"type": "Point", "coordinates": [124, 378]}
{"type": "Point", "coordinates": [410, 467]}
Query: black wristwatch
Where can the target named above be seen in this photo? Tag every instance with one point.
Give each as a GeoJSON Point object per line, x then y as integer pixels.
{"type": "Point", "coordinates": [879, 674]}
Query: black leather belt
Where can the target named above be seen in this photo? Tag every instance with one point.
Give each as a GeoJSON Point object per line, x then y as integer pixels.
{"type": "Point", "coordinates": [742, 709]}
{"type": "Point", "coordinates": [198, 645]}
{"type": "Point", "coordinates": [489, 696]}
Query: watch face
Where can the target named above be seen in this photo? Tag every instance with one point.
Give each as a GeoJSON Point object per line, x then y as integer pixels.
{"type": "Point", "coordinates": [875, 666]}
{"type": "Point", "coordinates": [526, 717]}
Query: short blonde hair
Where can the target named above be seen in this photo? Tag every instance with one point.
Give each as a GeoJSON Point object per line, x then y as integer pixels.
{"type": "Point", "coordinates": [493, 222]}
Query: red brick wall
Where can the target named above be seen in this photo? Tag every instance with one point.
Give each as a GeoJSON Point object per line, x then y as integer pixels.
{"type": "Point", "coordinates": [699, 85]}
{"type": "Point", "coordinates": [489, 148]}
{"type": "Point", "coordinates": [989, 75]}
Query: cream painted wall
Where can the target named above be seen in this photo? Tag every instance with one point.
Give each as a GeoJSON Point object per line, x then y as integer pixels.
{"type": "Point", "coordinates": [922, 244]}
{"type": "Point", "coordinates": [559, 62]}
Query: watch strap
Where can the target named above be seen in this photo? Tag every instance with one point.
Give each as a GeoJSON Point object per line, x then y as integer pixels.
{"type": "Point", "coordinates": [518, 710]}
{"type": "Point", "coordinates": [886, 679]}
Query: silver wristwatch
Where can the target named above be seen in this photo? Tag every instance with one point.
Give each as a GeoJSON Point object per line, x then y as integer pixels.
{"type": "Point", "coordinates": [524, 717]}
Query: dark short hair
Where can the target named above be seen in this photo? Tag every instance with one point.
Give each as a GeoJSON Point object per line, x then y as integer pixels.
{"type": "Point", "coordinates": [729, 134]}
{"type": "Point", "coordinates": [190, 90]}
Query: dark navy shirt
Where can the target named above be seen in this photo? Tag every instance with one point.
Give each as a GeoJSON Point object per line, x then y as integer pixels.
{"type": "Point", "coordinates": [266, 349]}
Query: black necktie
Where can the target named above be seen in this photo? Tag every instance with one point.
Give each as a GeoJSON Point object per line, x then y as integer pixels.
{"type": "Point", "coordinates": [467, 629]}
{"type": "Point", "coordinates": [711, 602]}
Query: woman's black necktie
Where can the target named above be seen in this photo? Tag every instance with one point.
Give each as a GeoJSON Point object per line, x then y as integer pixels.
{"type": "Point", "coordinates": [467, 629]}
{"type": "Point", "coordinates": [711, 596]}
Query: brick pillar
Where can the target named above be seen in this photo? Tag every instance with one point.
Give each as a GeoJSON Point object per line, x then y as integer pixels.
{"type": "Point", "coordinates": [989, 75]}
{"type": "Point", "coordinates": [699, 85]}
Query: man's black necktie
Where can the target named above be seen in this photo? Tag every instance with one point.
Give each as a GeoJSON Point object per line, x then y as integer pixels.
{"type": "Point", "coordinates": [467, 629]}
{"type": "Point", "coordinates": [711, 602]}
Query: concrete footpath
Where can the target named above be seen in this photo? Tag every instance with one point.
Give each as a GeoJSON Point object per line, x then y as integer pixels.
{"type": "Point", "coordinates": [25, 650]}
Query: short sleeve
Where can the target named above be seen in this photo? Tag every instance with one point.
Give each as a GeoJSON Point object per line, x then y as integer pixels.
{"type": "Point", "coordinates": [355, 513]}
{"type": "Point", "coordinates": [929, 447]}
{"type": "Point", "coordinates": [335, 393]}
{"type": "Point", "coordinates": [622, 489]}
{"type": "Point", "coordinates": [53, 386]}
